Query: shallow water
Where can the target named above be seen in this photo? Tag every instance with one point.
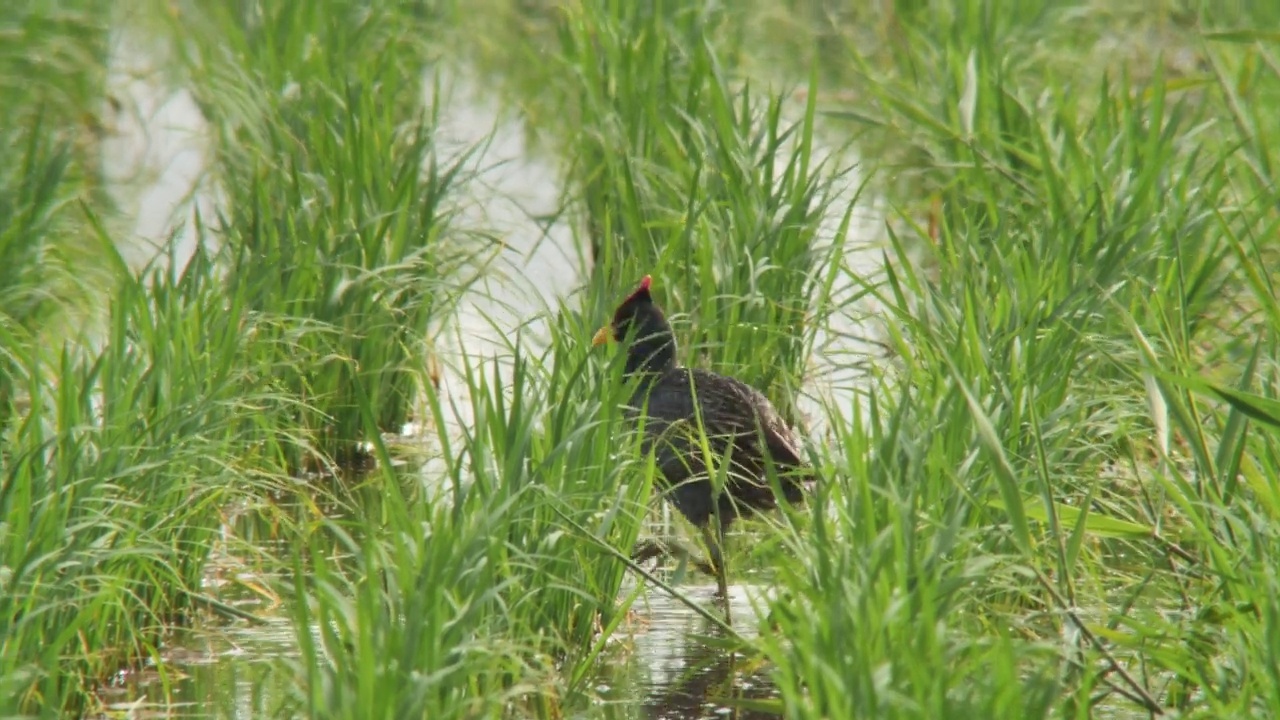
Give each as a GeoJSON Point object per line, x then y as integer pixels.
{"type": "Point", "coordinates": [155, 154]}
{"type": "Point", "coordinates": [222, 672]}
{"type": "Point", "coordinates": [661, 668]}
{"type": "Point", "coordinates": [672, 673]}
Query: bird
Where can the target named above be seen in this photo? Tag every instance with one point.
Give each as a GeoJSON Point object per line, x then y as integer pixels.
{"type": "Point", "coordinates": [679, 406]}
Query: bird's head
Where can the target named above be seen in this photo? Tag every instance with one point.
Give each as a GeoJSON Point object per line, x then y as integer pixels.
{"type": "Point", "coordinates": [639, 325]}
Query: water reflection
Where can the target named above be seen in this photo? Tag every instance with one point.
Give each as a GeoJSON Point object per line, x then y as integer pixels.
{"type": "Point", "coordinates": [711, 677]}
{"type": "Point", "coordinates": [216, 672]}
{"type": "Point", "coordinates": [670, 664]}
{"type": "Point", "coordinates": [673, 662]}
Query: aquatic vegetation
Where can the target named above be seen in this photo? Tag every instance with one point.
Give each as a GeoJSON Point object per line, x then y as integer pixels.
{"type": "Point", "coordinates": [349, 424]}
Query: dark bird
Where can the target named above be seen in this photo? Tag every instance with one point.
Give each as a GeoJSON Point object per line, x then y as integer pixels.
{"type": "Point", "coordinates": [679, 406]}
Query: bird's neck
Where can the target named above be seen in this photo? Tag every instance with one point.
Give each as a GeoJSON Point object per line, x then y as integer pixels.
{"type": "Point", "coordinates": [652, 355]}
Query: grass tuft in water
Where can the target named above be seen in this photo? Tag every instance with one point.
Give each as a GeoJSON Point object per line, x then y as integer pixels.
{"type": "Point", "coordinates": [495, 586]}
{"type": "Point", "coordinates": [691, 174]}
{"type": "Point", "coordinates": [115, 480]}
{"type": "Point", "coordinates": [1023, 505]}
{"type": "Point", "coordinates": [337, 206]}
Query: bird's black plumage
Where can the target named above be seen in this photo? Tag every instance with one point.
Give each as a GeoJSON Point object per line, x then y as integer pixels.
{"type": "Point", "coordinates": [738, 420]}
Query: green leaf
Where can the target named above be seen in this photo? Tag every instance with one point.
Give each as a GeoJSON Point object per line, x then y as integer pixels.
{"type": "Point", "coordinates": [1263, 409]}
{"type": "Point", "coordinates": [1094, 523]}
{"type": "Point", "coordinates": [1005, 479]}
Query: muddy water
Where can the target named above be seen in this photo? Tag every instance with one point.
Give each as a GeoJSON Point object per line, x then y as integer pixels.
{"type": "Point", "coordinates": [661, 669]}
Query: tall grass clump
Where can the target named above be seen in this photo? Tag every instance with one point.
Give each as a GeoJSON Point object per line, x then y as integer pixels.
{"type": "Point", "coordinates": [688, 173]}
{"type": "Point", "coordinates": [113, 484]}
{"type": "Point", "coordinates": [1216, 406]}
{"type": "Point", "coordinates": [882, 614]}
{"type": "Point", "coordinates": [493, 588]}
{"type": "Point", "coordinates": [336, 212]}
{"type": "Point", "coordinates": [1004, 521]}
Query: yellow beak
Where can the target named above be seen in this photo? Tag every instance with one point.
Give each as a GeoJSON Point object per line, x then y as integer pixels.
{"type": "Point", "coordinates": [602, 336]}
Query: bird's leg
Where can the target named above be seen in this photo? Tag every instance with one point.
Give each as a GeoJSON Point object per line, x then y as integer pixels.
{"type": "Point", "coordinates": [715, 540]}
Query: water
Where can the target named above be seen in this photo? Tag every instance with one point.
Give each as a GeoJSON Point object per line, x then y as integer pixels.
{"type": "Point", "coordinates": [676, 673]}
{"type": "Point", "coordinates": [157, 158]}
{"type": "Point", "coordinates": [659, 667]}
{"type": "Point", "coordinates": [155, 154]}
{"type": "Point", "coordinates": [223, 672]}
{"type": "Point", "coordinates": [538, 263]}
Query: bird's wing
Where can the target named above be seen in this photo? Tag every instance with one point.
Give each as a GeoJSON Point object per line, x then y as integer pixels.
{"type": "Point", "coordinates": [731, 408]}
